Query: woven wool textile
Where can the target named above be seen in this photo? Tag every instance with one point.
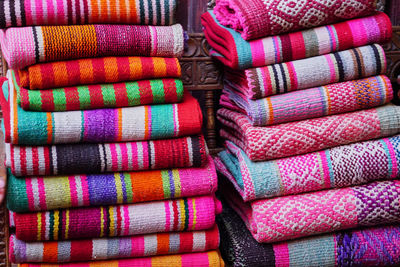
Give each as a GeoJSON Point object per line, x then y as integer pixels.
{"type": "Point", "coordinates": [289, 217]}
{"type": "Point", "coordinates": [98, 125]}
{"type": "Point", "coordinates": [260, 18]}
{"type": "Point", "coordinates": [335, 67]}
{"type": "Point", "coordinates": [26, 46]}
{"type": "Point", "coordinates": [205, 259]}
{"type": "Point", "coordinates": [341, 166]}
{"type": "Point", "coordinates": [230, 48]}
{"type": "Point", "coordinates": [50, 12]}
{"type": "Point", "coordinates": [188, 151]}
{"type": "Point", "coordinates": [311, 103]}
{"type": "Point", "coordinates": [97, 71]}
{"type": "Point", "coordinates": [185, 214]}
{"type": "Point", "coordinates": [59, 192]}
{"type": "Point", "coordinates": [113, 248]}
{"type": "Point", "coordinates": [296, 138]}
{"type": "Point", "coordinates": [378, 246]}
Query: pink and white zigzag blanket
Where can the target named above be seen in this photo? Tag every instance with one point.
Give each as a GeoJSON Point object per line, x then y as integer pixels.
{"type": "Point", "coordinates": [296, 138]}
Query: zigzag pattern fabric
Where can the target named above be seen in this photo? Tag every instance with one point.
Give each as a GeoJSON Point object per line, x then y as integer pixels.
{"type": "Point", "coordinates": [49, 12]}
{"type": "Point", "coordinates": [341, 166]}
{"type": "Point", "coordinates": [296, 138]}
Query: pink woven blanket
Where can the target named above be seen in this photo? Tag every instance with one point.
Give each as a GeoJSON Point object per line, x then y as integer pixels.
{"type": "Point", "coordinates": [289, 217]}
{"type": "Point", "coordinates": [311, 103]}
{"type": "Point", "coordinates": [296, 138]}
{"type": "Point", "coordinates": [260, 18]}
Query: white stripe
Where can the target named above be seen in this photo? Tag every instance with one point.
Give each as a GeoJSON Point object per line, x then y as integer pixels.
{"type": "Point", "coordinates": [119, 155]}
{"type": "Point", "coordinates": [68, 127]}
{"type": "Point", "coordinates": [171, 216]}
{"type": "Point", "coordinates": [150, 245]}
{"type": "Point", "coordinates": [260, 80]}
{"type": "Point", "coordinates": [199, 241]}
{"type": "Point", "coordinates": [102, 163]}
{"type": "Point", "coordinates": [8, 155]}
{"type": "Point", "coordinates": [176, 119]}
{"type": "Point", "coordinates": [190, 150]}
{"type": "Point", "coordinates": [146, 9]}
{"type": "Point", "coordinates": [17, 160]}
{"type": "Point", "coordinates": [152, 52]}
{"type": "Point", "coordinates": [100, 248]}
{"type": "Point", "coordinates": [47, 228]}
{"type": "Point", "coordinates": [140, 157]}
{"type": "Point", "coordinates": [322, 34]}
{"type": "Point", "coordinates": [7, 13]}
{"type": "Point", "coordinates": [45, 10]}
{"type": "Point", "coordinates": [29, 160]}
{"type": "Point", "coordinates": [171, 14]}
{"type": "Point", "coordinates": [54, 154]}
{"type": "Point", "coordinates": [34, 251]}
{"type": "Point", "coordinates": [40, 44]}
{"type": "Point", "coordinates": [154, 12]}
{"type": "Point", "coordinates": [35, 193]}
{"type": "Point", "coordinates": [108, 157]}
{"type": "Point", "coordinates": [139, 215]}
{"type": "Point", "coordinates": [65, 11]}
{"type": "Point", "coordinates": [178, 41]}
{"type": "Point", "coordinates": [74, 15]}
{"type": "Point", "coordinates": [41, 161]}
{"type": "Point", "coordinates": [33, 9]}
{"type": "Point", "coordinates": [90, 12]}
{"type": "Point", "coordinates": [162, 3]}
{"type": "Point", "coordinates": [82, 11]}
{"type": "Point", "coordinates": [18, 12]}
{"type": "Point", "coordinates": [152, 155]}
{"type": "Point", "coordinates": [133, 123]}
{"type": "Point", "coordinates": [79, 191]}
{"type": "Point", "coordinates": [174, 243]}
{"type": "Point", "coordinates": [55, 15]}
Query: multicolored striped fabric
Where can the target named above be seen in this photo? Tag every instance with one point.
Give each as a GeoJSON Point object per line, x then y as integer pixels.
{"type": "Point", "coordinates": [205, 259]}
{"type": "Point", "coordinates": [26, 46]}
{"type": "Point", "coordinates": [97, 71]}
{"type": "Point", "coordinates": [60, 192]}
{"type": "Point", "coordinates": [342, 166]}
{"type": "Point", "coordinates": [50, 12]}
{"type": "Point", "coordinates": [289, 217]}
{"type": "Point", "coordinates": [311, 103]}
{"type": "Point", "coordinates": [185, 214]}
{"type": "Point", "coordinates": [114, 247]}
{"type": "Point", "coordinates": [356, 63]}
{"type": "Point", "coordinates": [233, 51]}
{"type": "Point", "coordinates": [99, 125]}
{"type": "Point", "coordinates": [374, 246]}
{"type": "Point", "coordinates": [260, 18]}
{"type": "Point", "coordinates": [300, 137]}
{"type": "Point", "coordinates": [87, 158]}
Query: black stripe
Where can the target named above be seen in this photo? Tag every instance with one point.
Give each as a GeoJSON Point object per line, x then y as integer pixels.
{"type": "Point", "coordinates": [60, 228]}
{"type": "Point", "coordinates": [378, 59]}
{"type": "Point", "coordinates": [2, 16]}
{"type": "Point", "coordinates": [78, 158]}
{"type": "Point", "coordinates": [340, 66]}
{"type": "Point", "coordinates": [359, 66]}
{"type": "Point", "coordinates": [151, 11]}
{"type": "Point", "coordinates": [149, 153]}
{"type": "Point", "coordinates": [51, 167]}
{"type": "Point", "coordinates": [276, 79]}
{"type": "Point", "coordinates": [196, 151]}
{"type": "Point", "coordinates": [158, 7]}
{"type": "Point", "coordinates": [104, 156]}
{"type": "Point", "coordinates": [107, 230]}
{"type": "Point", "coordinates": [285, 86]}
{"type": "Point", "coordinates": [37, 56]}
{"type": "Point", "coordinates": [142, 15]}
{"type": "Point", "coordinates": [12, 14]}
{"type": "Point", "coordinates": [23, 15]}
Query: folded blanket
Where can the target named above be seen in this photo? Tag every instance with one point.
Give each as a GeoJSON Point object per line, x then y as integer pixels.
{"type": "Point", "coordinates": [99, 125]}
{"type": "Point", "coordinates": [97, 71]}
{"type": "Point", "coordinates": [185, 214]}
{"type": "Point", "coordinates": [51, 12]}
{"type": "Point", "coordinates": [289, 217]}
{"type": "Point", "coordinates": [188, 151]}
{"type": "Point", "coordinates": [356, 63]}
{"type": "Point", "coordinates": [230, 48]}
{"type": "Point", "coordinates": [260, 18]}
{"type": "Point", "coordinates": [296, 138]}
{"type": "Point", "coordinates": [60, 192]}
{"type": "Point", "coordinates": [205, 259]}
{"type": "Point", "coordinates": [341, 166]}
{"type": "Point", "coordinates": [378, 246]}
{"type": "Point", "coordinates": [26, 46]}
{"type": "Point", "coordinates": [113, 248]}
{"type": "Point", "coordinates": [311, 103]}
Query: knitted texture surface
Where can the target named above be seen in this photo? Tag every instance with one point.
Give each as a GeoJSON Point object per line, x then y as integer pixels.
{"type": "Point", "coordinates": [113, 247]}
{"type": "Point", "coordinates": [377, 246]}
{"type": "Point", "coordinates": [341, 166]}
{"type": "Point", "coordinates": [97, 71]}
{"type": "Point", "coordinates": [260, 18]}
{"type": "Point", "coordinates": [205, 259]}
{"type": "Point", "coordinates": [87, 158]}
{"type": "Point", "coordinates": [296, 138]}
{"type": "Point", "coordinates": [26, 46]}
{"type": "Point", "coordinates": [311, 103]}
{"type": "Point", "coordinates": [50, 12]}
{"type": "Point", "coordinates": [99, 125]}
{"type": "Point", "coordinates": [185, 214]}
{"type": "Point", "coordinates": [233, 51]}
{"type": "Point", "coordinates": [59, 192]}
{"type": "Point", "coordinates": [351, 64]}
{"type": "Point", "coordinates": [289, 217]}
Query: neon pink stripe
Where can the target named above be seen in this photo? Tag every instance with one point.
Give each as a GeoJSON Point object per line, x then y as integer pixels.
{"type": "Point", "coordinates": [392, 154]}
{"type": "Point", "coordinates": [74, 194]}
{"type": "Point", "coordinates": [149, 121]}
{"type": "Point", "coordinates": [114, 157]}
{"type": "Point", "coordinates": [85, 190]}
{"type": "Point", "coordinates": [145, 155]}
{"type": "Point", "coordinates": [135, 157]}
{"type": "Point", "coordinates": [28, 12]}
{"type": "Point", "coordinates": [61, 18]}
{"type": "Point", "coordinates": [358, 30]}
{"type": "Point", "coordinates": [50, 12]}
{"type": "Point", "coordinates": [137, 244]}
{"type": "Point", "coordinates": [325, 168]}
{"type": "Point", "coordinates": [167, 217]}
{"type": "Point", "coordinates": [126, 220]}
{"type": "Point", "coordinates": [29, 194]}
{"type": "Point", "coordinates": [154, 31]}
{"type": "Point", "coordinates": [124, 156]}
{"type": "Point", "coordinates": [257, 53]}
{"type": "Point", "coordinates": [282, 258]}
{"type": "Point", "coordinates": [331, 68]}
{"type": "Point", "coordinates": [39, 12]}
{"type": "Point", "coordinates": [189, 259]}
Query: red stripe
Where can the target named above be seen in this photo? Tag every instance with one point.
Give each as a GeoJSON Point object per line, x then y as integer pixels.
{"type": "Point", "coordinates": [47, 71]}
{"type": "Point", "coordinates": [72, 98]}
{"type": "Point", "coordinates": [123, 68]}
{"type": "Point", "coordinates": [23, 160]}
{"type": "Point", "coordinates": [121, 95]}
{"type": "Point", "coordinates": [176, 215]}
{"type": "Point", "coordinates": [98, 65]}
{"type": "Point", "coordinates": [48, 99]}
{"type": "Point", "coordinates": [147, 67]}
{"type": "Point", "coordinates": [81, 250]}
{"type": "Point", "coordinates": [344, 36]}
{"type": "Point", "coordinates": [171, 95]}
{"type": "Point", "coordinates": [43, 233]}
{"type": "Point", "coordinates": [144, 89]}
{"type": "Point", "coordinates": [73, 72]}
{"type": "Point", "coordinates": [35, 159]}
{"type": "Point", "coordinates": [172, 67]}
{"type": "Point", "coordinates": [286, 48]}
{"type": "Point", "coordinates": [119, 220]}
{"type": "Point", "coordinates": [298, 45]}
{"type": "Point", "coordinates": [24, 98]}
{"type": "Point", "coordinates": [47, 160]}
{"type": "Point", "coordinates": [186, 241]}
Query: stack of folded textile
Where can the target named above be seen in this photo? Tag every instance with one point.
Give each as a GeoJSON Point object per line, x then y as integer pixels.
{"type": "Point", "coordinates": [312, 144]}
{"type": "Point", "coordinates": [97, 170]}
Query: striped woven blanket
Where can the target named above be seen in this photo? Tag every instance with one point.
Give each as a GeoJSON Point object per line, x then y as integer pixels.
{"type": "Point", "coordinates": [50, 12]}
{"type": "Point", "coordinates": [184, 214]}
{"type": "Point", "coordinates": [311, 103]}
{"type": "Point", "coordinates": [352, 64]}
{"type": "Point", "coordinates": [54, 43]}
{"type": "Point", "coordinates": [181, 152]}
{"type": "Point", "coordinates": [290, 217]}
{"type": "Point", "coordinates": [114, 247]}
{"type": "Point", "coordinates": [98, 125]}
{"type": "Point", "coordinates": [300, 137]}
{"type": "Point", "coordinates": [233, 51]}
{"type": "Point", "coordinates": [341, 166]}
{"type": "Point", "coordinates": [374, 246]}
{"type": "Point", "coordinates": [60, 192]}
{"type": "Point", "coordinates": [205, 259]}
{"type": "Point", "coordinates": [260, 18]}
{"type": "Point", "coordinates": [97, 71]}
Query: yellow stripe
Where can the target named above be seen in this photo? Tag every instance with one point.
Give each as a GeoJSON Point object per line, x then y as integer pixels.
{"type": "Point", "coordinates": [101, 221]}
{"type": "Point", "coordinates": [118, 188]}
{"type": "Point", "coordinates": [55, 228]}
{"type": "Point", "coordinates": [112, 222]}
{"type": "Point", "coordinates": [39, 223]}
{"type": "Point", "coordinates": [181, 204]}
{"type": "Point", "coordinates": [177, 182]}
{"type": "Point", "coordinates": [66, 223]}
{"type": "Point", "coordinates": [194, 214]}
